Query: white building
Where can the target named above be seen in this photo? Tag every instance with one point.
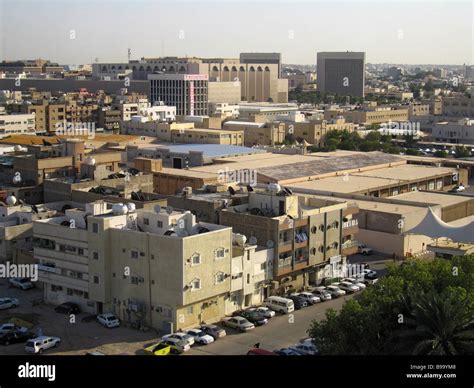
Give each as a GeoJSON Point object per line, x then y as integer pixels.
{"type": "Point", "coordinates": [461, 132]}
{"type": "Point", "coordinates": [17, 124]}
{"type": "Point", "coordinates": [158, 112]}
{"type": "Point", "coordinates": [187, 92]}
{"type": "Point", "coordinates": [224, 109]}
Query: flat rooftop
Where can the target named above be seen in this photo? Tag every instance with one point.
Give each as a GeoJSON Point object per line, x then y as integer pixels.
{"type": "Point", "coordinates": [344, 184]}
{"type": "Point", "coordinates": [431, 197]}
{"type": "Point", "coordinates": [320, 166]}
{"type": "Point", "coordinates": [407, 172]}
{"type": "Point", "coordinates": [208, 150]}
{"type": "Point", "coordinates": [187, 173]}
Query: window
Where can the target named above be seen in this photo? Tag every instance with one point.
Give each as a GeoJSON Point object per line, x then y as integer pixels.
{"type": "Point", "coordinates": [196, 284]}
{"type": "Point", "coordinates": [80, 251]}
{"type": "Point", "coordinates": [69, 291]}
{"type": "Point", "coordinates": [146, 221]}
{"type": "Point", "coordinates": [159, 224]}
{"type": "Point", "coordinates": [189, 310]}
{"type": "Point", "coordinates": [95, 255]}
{"type": "Point", "coordinates": [220, 253]}
{"type": "Point", "coordinates": [248, 278]}
{"type": "Point", "coordinates": [220, 277]}
{"type": "Point", "coordinates": [96, 279]}
{"type": "Point", "coordinates": [95, 227]}
{"type": "Point", "coordinates": [263, 266]}
{"type": "Point", "coordinates": [133, 254]}
{"type": "Point", "coordinates": [196, 259]}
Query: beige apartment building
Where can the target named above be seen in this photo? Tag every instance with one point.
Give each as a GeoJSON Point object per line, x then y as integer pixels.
{"type": "Point", "coordinates": [258, 133]}
{"type": "Point", "coordinates": [369, 116]}
{"type": "Point", "coordinates": [314, 132]}
{"type": "Point", "coordinates": [183, 133]}
{"type": "Point", "coordinates": [306, 233]}
{"type": "Point", "coordinates": [461, 106]}
{"type": "Point", "coordinates": [17, 124]}
{"type": "Point", "coordinates": [151, 268]}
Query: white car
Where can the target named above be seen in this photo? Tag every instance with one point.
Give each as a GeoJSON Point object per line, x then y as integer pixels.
{"type": "Point", "coordinates": [200, 337]}
{"type": "Point", "coordinates": [7, 327]}
{"type": "Point", "coordinates": [364, 249]}
{"type": "Point", "coordinates": [108, 320]}
{"type": "Point", "coordinates": [180, 346]}
{"type": "Point", "coordinates": [305, 349]}
{"type": "Point", "coordinates": [40, 344]}
{"type": "Point", "coordinates": [238, 323]}
{"type": "Point", "coordinates": [308, 297]}
{"type": "Point", "coordinates": [6, 303]}
{"type": "Point", "coordinates": [355, 282]}
{"type": "Point", "coordinates": [180, 336]}
{"type": "Point", "coordinates": [335, 291]}
{"type": "Point", "coordinates": [322, 293]}
{"type": "Point", "coordinates": [265, 311]}
{"type": "Point", "coordinates": [22, 283]}
{"type": "Point", "coordinates": [348, 287]}
{"type": "Point", "coordinates": [458, 189]}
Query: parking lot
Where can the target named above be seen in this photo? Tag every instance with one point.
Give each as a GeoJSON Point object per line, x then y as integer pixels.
{"type": "Point", "coordinates": [86, 335]}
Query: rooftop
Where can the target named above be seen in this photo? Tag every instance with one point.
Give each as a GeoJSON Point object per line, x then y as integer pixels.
{"type": "Point", "coordinates": [430, 197]}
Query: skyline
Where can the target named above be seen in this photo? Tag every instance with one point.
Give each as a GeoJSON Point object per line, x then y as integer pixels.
{"type": "Point", "coordinates": [388, 33]}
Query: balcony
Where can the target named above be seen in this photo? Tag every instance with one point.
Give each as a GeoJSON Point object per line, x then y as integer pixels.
{"type": "Point", "coordinates": [64, 281]}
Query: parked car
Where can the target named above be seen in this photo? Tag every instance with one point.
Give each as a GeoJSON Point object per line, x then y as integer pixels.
{"type": "Point", "coordinates": [14, 337]}
{"type": "Point", "coordinates": [305, 349]}
{"type": "Point", "coordinates": [180, 336]}
{"type": "Point", "coordinates": [355, 282]}
{"type": "Point", "coordinates": [6, 327]}
{"type": "Point", "coordinates": [68, 308]}
{"type": "Point", "coordinates": [159, 349]}
{"type": "Point", "coordinates": [279, 304]}
{"type": "Point", "coordinates": [214, 331]}
{"type": "Point", "coordinates": [42, 343]}
{"type": "Point", "coordinates": [200, 337]}
{"type": "Point", "coordinates": [7, 303]}
{"type": "Point", "coordinates": [286, 352]}
{"type": "Point", "coordinates": [177, 346]}
{"type": "Point", "coordinates": [108, 320]}
{"type": "Point", "coordinates": [298, 302]}
{"type": "Point", "coordinates": [265, 311]}
{"type": "Point", "coordinates": [308, 297]}
{"type": "Point", "coordinates": [349, 288]}
{"type": "Point", "coordinates": [22, 283]}
{"type": "Point", "coordinates": [254, 317]}
{"type": "Point", "coordinates": [364, 249]}
{"type": "Point", "coordinates": [238, 323]}
{"type": "Point", "coordinates": [322, 293]}
{"type": "Point", "coordinates": [335, 291]}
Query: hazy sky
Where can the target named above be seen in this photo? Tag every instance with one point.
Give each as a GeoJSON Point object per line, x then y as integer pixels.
{"type": "Point", "coordinates": [75, 31]}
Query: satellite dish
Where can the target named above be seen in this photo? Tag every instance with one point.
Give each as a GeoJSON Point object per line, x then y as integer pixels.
{"type": "Point", "coordinates": [253, 240]}
{"type": "Point", "coordinates": [169, 209]}
{"type": "Point", "coordinates": [270, 244]}
{"type": "Point", "coordinates": [157, 208]}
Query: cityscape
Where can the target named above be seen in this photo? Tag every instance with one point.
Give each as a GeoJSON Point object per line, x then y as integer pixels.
{"type": "Point", "coordinates": [174, 186]}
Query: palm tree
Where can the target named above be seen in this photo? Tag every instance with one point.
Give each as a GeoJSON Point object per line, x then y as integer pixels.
{"type": "Point", "coordinates": [436, 325]}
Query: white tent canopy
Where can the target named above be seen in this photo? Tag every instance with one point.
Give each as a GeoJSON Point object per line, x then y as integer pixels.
{"type": "Point", "coordinates": [432, 226]}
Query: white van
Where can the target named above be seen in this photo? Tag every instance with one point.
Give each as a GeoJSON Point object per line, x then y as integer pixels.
{"type": "Point", "coordinates": [39, 344]}
{"type": "Point", "coordinates": [279, 304]}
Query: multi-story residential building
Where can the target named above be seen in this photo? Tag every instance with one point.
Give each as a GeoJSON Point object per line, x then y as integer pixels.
{"type": "Point", "coordinates": [17, 124]}
{"type": "Point", "coordinates": [307, 234]}
{"type": "Point", "coordinates": [187, 92]}
{"type": "Point", "coordinates": [367, 116]}
{"type": "Point", "coordinates": [109, 118]}
{"type": "Point", "coordinates": [461, 132]}
{"type": "Point", "coordinates": [151, 268]}
{"type": "Point", "coordinates": [224, 109]}
{"type": "Point", "coordinates": [341, 73]}
{"type": "Point", "coordinates": [258, 133]}
{"type": "Point", "coordinates": [417, 110]}
{"type": "Point", "coordinates": [460, 106]}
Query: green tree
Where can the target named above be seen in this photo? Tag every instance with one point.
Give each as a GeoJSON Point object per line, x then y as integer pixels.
{"type": "Point", "coordinates": [373, 136]}
{"type": "Point", "coordinates": [412, 151]}
{"type": "Point", "coordinates": [397, 314]}
{"type": "Point", "coordinates": [440, 154]}
{"type": "Point", "coordinates": [461, 152]}
{"type": "Point", "coordinates": [437, 325]}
